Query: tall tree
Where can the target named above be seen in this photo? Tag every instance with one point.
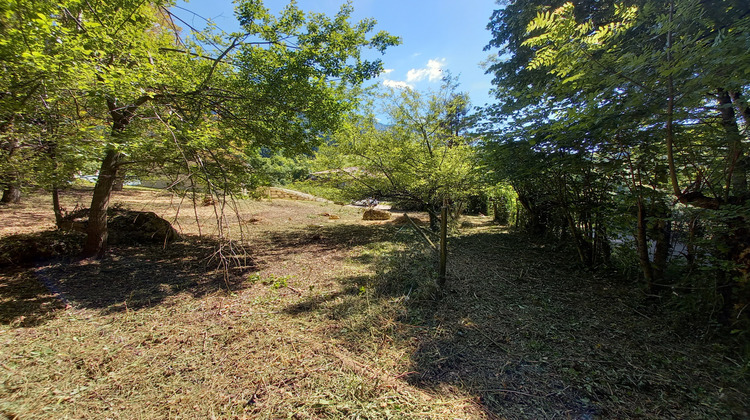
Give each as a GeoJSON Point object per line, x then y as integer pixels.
{"type": "Point", "coordinates": [143, 94]}
{"type": "Point", "coordinates": [282, 81]}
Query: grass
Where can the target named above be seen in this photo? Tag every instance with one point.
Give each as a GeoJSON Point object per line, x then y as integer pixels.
{"type": "Point", "coordinates": [340, 318]}
{"type": "Point", "coordinates": [320, 189]}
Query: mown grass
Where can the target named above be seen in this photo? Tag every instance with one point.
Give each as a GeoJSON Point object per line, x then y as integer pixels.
{"type": "Point", "coordinates": [338, 318]}
{"type": "Point", "coordinates": [154, 333]}
{"type": "Point", "coordinates": [320, 189]}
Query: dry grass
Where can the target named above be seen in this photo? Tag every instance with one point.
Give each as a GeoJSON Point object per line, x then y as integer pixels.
{"type": "Point", "coordinates": [336, 318]}
{"type": "Point", "coordinates": [154, 333]}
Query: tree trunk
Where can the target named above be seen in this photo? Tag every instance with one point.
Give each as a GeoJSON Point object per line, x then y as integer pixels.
{"type": "Point", "coordinates": [737, 241]}
{"type": "Point", "coordinates": [12, 191]}
{"type": "Point", "coordinates": [537, 221]}
{"type": "Point", "coordinates": [56, 207]}
{"type": "Point", "coordinates": [737, 183]}
{"type": "Point", "coordinates": [119, 181]}
{"type": "Point", "coordinates": [602, 246]}
{"type": "Point", "coordinates": [96, 232]}
{"type": "Point", "coordinates": [11, 194]}
{"type": "Point", "coordinates": [434, 219]}
{"type": "Point", "coordinates": [662, 235]}
{"type": "Point", "coordinates": [662, 239]}
{"type": "Point", "coordinates": [443, 245]}
{"type": "Point", "coordinates": [670, 112]}
{"type": "Point", "coordinates": [641, 241]}
{"type": "Point", "coordinates": [96, 239]}
{"type": "Point", "coordinates": [743, 107]}
{"type": "Point", "coordinates": [578, 241]}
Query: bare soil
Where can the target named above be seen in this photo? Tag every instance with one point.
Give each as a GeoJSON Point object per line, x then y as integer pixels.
{"type": "Point", "coordinates": [323, 315]}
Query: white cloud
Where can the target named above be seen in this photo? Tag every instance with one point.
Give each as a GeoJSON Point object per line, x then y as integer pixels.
{"type": "Point", "coordinates": [397, 84]}
{"type": "Point", "coordinates": [433, 72]}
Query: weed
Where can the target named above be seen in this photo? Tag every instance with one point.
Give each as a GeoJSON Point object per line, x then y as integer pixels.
{"type": "Point", "coordinates": [279, 282]}
{"type": "Point", "coordinates": [276, 282]}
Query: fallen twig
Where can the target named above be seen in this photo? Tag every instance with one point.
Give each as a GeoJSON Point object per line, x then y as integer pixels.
{"type": "Point", "coordinates": [639, 313]}
{"type": "Point", "coordinates": [498, 345]}
{"type": "Point", "coordinates": [297, 291]}
{"type": "Point", "coordinates": [511, 391]}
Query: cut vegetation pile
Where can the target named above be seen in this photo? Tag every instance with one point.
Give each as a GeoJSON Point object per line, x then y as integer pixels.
{"type": "Point", "coordinates": [335, 317]}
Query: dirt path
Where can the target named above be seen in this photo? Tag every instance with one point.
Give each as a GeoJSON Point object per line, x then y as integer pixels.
{"type": "Point", "coordinates": [332, 317]}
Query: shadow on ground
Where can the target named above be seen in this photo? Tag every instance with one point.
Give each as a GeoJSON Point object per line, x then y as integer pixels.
{"type": "Point", "coordinates": [24, 301]}
{"type": "Point", "coordinates": [530, 335]}
{"type": "Point", "coordinates": [129, 277]}
{"type": "Point", "coordinates": [534, 336]}
{"type": "Point", "coordinates": [323, 238]}
{"type": "Point", "coordinates": [139, 276]}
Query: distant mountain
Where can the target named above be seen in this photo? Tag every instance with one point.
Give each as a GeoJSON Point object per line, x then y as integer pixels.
{"type": "Point", "coordinates": [382, 127]}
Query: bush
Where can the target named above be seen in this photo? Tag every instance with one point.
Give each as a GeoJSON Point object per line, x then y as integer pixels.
{"type": "Point", "coordinates": [27, 248]}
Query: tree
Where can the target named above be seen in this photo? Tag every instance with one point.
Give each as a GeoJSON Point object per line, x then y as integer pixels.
{"type": "Point", "coordinates": [421, 156]}
{"type": "Point", "coordinates": [282, 82]}
{"type": "Point", "coordinates": [653, 88]}
{"type": "Point", "coordinates": [21, 46]}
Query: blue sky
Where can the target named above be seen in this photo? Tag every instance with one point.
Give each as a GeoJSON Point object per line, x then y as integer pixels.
{"type": "Point", "coordinates": [437, 35]}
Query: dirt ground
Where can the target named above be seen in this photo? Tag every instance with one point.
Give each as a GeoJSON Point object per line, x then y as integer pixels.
{"type": "Point", "coordinates": [323, 315]}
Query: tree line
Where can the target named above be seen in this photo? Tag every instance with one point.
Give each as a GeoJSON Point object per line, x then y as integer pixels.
{"type": "Point", "coordinates": [623, 128]}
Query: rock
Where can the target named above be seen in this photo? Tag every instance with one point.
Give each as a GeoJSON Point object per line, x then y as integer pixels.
{"type": "Point", "coordinates": [125, 226]}
{"type": "Point", "coordinates": [140, 227]}
{"type": "Point", "coordinates": [373, 214]}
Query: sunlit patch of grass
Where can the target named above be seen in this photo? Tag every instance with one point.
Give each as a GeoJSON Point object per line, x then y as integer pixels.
{"type": "Point", "coordinates": [320, 189]}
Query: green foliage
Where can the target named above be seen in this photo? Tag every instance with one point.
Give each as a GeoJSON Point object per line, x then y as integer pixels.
{"type": "Point", "coordinates": [503, 202]}
{"type": "Point", "coordinates": [195, 109]}
{"type": "Point", "coordinates": [275, 282]}
{"type": "Point", "coordinates": [281, 86]}
{"type": "Point", "coordinates": [585, 39]}
{"type": "Point", "coordinates": [41, 141]}
{"type": "Point", "coordinates": [609, 112]}
{"type": "Point", "coordinates": [281, 170]}
{"type": "Point", "coordinates": [286, 73]}
{"type": "Point", "coordinates": [281, 83]}
{"type": "Point", "coordinates": [421, 156]}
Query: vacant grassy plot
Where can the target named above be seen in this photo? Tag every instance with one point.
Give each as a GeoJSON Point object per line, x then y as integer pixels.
{"type": "Point", "coordinates": [327, 316]}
